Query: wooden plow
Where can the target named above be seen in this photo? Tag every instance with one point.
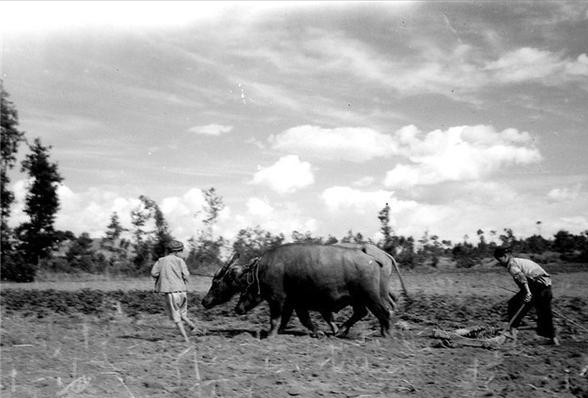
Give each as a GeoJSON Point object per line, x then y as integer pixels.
{"type": "Point", "coordinates": [477, 336]}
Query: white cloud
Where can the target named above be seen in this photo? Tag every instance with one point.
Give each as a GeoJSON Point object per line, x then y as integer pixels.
{"type": "Point", "coordinates": [340, 198]}
{"type": "Point", "coordinates": [259, 207]}
{"type": "Point", "coordinates": [436, 219]}
{"type": "Point", "coordinates": [90, 211]}
{"type": "Point", "coordinates": [282, 218]}
{"type": "Point", "coordinates": [364, 181]}
{"type": "Point", "coordinates": [406, 176]}
{"type": "Point", "coordinates": [531, 64]}
{"type": "Point", "coordinates": [458, 154]}
{"type": "Point", "coordinates": [564, 194]}
{"type": "Point", "coordinates": [463, 209]}
{"type": "Point", "coordinates": [287, 175]}
{"type": "Point", "coordinates": [580, 67]}
{"type": "Point", "coordinates": [456, 73]}
{"type": "Point", "coordinates": [577, 223]}
{"type": "Point", "coordinates": [39, 16]}
{"type": "Point", "coordinates": [211, 129]}
{"type": "Point", "coordinates": [356, 144]}
{"type": "Point", "coordinates": [407, 217]}
{"type": "Point", "coordinates": [184, 213]}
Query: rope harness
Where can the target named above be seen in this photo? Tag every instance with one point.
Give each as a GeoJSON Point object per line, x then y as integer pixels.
{"type": "Point", "coordinates": [252, 274]}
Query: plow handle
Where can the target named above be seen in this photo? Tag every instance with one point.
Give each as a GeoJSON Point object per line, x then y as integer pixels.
{"type": "Point", "coordinates": [516, 315]}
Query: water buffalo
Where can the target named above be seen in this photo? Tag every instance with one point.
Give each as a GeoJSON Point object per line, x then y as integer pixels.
{"type": "Point", "coordinates": [233, 278]}
{"type": "Point", "coordinates": [388, 263]}
{"type": "Point", "coordinates": [226, 282]}
{"type": "Point", "coordinates": [324, 278]}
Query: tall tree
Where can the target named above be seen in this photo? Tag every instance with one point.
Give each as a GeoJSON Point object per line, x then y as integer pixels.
{"type": "Point", "coordinates": [214, 205]}
{"type": "Point", "coordinates": [80, 254]}
{"type": "Point", "coordinates": [205, 249]}
{"type": "Point", "coordinates": [162, 235]}
{"type": "Point", "coordinates": [390, 242]}
{"type": "Point", "coordinates": [139, 218]}
{"type": "Point", "coordinates": [384, 217]}
{"type": "Point", "coordinates": [11, 137]}
{"type": "Point", "coordinates": [114, 229]}
{"type": "Point", "coordinates": [41, 202]}
{"type": "Point", "coordinates": [149, 244]}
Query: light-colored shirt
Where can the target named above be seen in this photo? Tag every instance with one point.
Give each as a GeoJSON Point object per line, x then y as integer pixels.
{"type": "Point", "coordinates": [522, 269]}
{"type": "Point", "coordinates": [170, 273]}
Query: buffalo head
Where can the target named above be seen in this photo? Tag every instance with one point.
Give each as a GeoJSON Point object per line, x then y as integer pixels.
{"type": "Point", "coordinates": [229, 280]}
{"type": "Point", "coordinates": [225, 283]}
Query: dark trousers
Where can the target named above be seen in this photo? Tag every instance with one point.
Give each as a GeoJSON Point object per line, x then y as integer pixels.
{"type": "Point", "coordinates": [541, 301]}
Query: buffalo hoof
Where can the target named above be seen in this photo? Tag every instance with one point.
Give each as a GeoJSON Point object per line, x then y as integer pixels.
{"type": "Point", "coordinates": [318, 334]}
{"type": "Point", "coordinates": [385, 332]}
{"type": "Point", "coordinates": [342, 332]}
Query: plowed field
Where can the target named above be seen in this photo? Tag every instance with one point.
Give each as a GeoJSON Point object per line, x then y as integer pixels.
{"type": "Point", "coordinates": [126, 349]}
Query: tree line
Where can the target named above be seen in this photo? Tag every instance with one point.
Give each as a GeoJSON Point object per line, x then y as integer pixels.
{"type": "Point", "coordinates": [25, 246]}
{"type": "Point", "coordinates": [36, 246]}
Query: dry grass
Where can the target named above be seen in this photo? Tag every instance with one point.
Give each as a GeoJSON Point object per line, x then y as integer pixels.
{"type": "Point", "coordinates": [197, 283]}
{"type": "Point", "coordinates": [85, 356]}
{"type": "Point", "coordinates": [467, 283]}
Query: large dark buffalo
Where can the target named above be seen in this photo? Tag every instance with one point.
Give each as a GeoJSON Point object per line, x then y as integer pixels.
{"type": "Point", "coordinates": [234, 277]}
{"type": "Point", "coordinates": [324, 278]}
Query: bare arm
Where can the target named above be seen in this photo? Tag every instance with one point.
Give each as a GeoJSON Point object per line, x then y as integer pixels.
{"type": "Point", "coordinates": [521, 281]}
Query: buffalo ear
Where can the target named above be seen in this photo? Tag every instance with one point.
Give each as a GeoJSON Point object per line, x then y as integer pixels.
{"type": "Point", "coordinates": [231, 260]}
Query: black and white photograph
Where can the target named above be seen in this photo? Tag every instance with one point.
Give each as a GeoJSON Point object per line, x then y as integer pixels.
{"type": "Point", "coordinates": [294, 199]}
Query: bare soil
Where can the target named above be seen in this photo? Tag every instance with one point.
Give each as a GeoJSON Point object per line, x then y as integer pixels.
{"type": "Point", "coordinates": [116, 355]}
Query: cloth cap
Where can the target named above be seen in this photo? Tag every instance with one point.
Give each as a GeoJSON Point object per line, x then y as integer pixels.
{"type": "Point", "coordinates": [501, 251]}
{"type": "Point", "coordinates": [175, 246]}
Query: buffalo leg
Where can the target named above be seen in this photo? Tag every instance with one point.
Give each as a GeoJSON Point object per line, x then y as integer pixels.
{"type": "Point", "coordinates": [286, 314]}
{"type": "Point", "coordinates": [304, 317]}
{"type": "Point", "coordinates": [328, 317]}
{"type": "Point", "coordinates": [383, 315]}
{"type": "Point", "coordinates": [275, 317]}
{"type": "Point", "coordinates": [393, 301]}
{"type": "Point", "coordinates": [359, 311]}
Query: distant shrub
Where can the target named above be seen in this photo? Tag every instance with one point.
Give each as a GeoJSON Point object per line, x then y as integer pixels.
{"type": "Point", "coordinates": [15, 268]}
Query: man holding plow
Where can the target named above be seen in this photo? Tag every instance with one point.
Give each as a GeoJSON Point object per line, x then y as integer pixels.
{"type": "Point", "coordinates": [535, 290]}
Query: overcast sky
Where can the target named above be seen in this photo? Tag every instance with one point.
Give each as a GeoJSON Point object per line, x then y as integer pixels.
{"type": "Point", "coordinates": [308, 116]}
